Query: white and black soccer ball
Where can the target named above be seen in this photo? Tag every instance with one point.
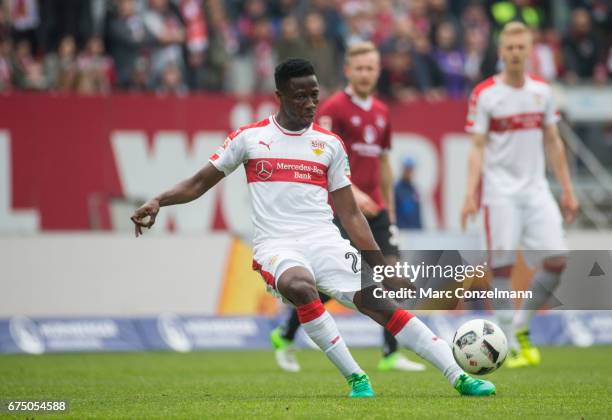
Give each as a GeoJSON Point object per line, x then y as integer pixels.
{"type": "Point", "coordinates": [480, 346]}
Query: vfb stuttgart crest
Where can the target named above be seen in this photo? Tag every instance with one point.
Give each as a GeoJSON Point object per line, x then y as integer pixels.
{"type": "Point", "coordinates": [318, 147]}
{"type": "Point", "coordinates": [263, 170]}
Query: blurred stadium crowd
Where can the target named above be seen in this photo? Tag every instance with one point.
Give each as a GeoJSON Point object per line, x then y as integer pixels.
{"type": "Point", "coordinates": [435, 48]}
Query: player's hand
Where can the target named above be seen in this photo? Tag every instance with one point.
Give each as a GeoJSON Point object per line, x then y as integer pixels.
{"type": "Point", "coordinates": [470, 209]}
{"type": "Point", "coordinates": [367, 206]}
{"type": "Point", "coordinates": [145, 215]}
{"type": "Point", "coordinates": [569, 207]}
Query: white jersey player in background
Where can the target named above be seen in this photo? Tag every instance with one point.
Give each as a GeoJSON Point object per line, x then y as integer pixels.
{"type": "Point", "coordinates": [513, 122]}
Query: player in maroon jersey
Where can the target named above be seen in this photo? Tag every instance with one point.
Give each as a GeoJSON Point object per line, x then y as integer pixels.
{"type": "Point", "coordinates": [362, 121]}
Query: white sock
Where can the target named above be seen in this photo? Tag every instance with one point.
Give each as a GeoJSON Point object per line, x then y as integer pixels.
{"type": "Point", "coordinates": [324, 332]}
{"type": "Point", "coordinates": [504, 309]}
{"type": "Point", "coordinates": [419, 338]}
{"type": "Point", "coordinates": [542, 287]}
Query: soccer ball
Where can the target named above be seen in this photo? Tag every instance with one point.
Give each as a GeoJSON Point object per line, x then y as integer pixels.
{"type": "Point", "coordinates": [480, 346]}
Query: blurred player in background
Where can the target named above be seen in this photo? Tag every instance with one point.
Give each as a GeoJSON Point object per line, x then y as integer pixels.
{"type": "Point", "coordinates": [292, 167]}
{"type": "Point", "coordinates": [362, 121]}
{"type": "Point", "coordinates": [513, 122]}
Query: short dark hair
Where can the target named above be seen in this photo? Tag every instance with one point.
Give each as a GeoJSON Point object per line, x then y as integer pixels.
{"type": "Point", "coordinates": [291, 67]}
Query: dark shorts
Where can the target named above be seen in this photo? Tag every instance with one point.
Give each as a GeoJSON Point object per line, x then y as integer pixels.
{"type": "Point", "coordinates": [381, 229]}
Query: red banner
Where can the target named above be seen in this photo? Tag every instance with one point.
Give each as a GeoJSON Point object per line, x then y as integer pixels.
{"type": "Point", "coordinates": [68, 155]}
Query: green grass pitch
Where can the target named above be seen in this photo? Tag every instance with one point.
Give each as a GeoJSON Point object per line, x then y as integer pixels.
{"type": "Point", "coordinates": [570, 383]}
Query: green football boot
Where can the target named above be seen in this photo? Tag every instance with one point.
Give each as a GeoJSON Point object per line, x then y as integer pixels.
{"type": "Point", "coordinates": [360, 386]}
{"type": "Point", "coordinates": [466, 385]}
{"type": "Point", "coordinates": [530, 352]}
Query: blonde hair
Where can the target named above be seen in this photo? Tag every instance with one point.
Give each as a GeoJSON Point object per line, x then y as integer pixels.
{"type": "Point", "coordinates": [514, 28]}
{"type": "Point", "coordinates": [360, 48]}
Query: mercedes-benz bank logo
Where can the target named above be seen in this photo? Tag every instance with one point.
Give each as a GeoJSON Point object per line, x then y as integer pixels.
{"type": "Point", "coordinates": [263, 169]}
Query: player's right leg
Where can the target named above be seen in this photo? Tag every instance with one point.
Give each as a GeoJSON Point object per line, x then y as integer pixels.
{"type": "Point", "coordinates": [297, 285]}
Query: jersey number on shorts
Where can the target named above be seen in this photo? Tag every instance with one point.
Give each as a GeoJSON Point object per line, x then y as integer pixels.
{"type": "Point", "coordinates": [355, 258]}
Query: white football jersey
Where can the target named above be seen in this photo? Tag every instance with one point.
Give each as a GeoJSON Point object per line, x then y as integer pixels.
{"type": "Point", "coordinates": [513, 120]}
{"type": "Point", "coordinates": [289, 176]}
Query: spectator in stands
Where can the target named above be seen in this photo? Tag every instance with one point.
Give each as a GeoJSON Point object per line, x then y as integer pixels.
{"type": "Point", "coordinates": [432, 77]}
{"type": "Point", "coordinates": [171, 82]}
{"type": "Point", "coordinates": [475, 17]}
{"type": "Point", "coordinates": [25, 19]}
{"type": "Point", "coordinates": [252, 66]}
{"type": "Point", "coordinates": [29, 73]}
{"type": "Point", "coordinates": [402, 37]}
{"type": "Point", "coordinates": [581, 48]}
{"type": "Point", "coordinates": [263, 55]}
{"type": "Point", "coordinates": [417, 15]}
{"type": "Point", "coordinates": [290, 43]}
{"type": "Point", "coordinates": [139, 79]}
{"type": "Point", "coordinates": [61, 67]}
{"type": "Point", "coordinates": [359, 23]}
{"type": "Point", "coordinates": [480, 60]}
{"type": "Point", "coordinates": [222, 45]}
{"type": "Point", "coordinates": [5, 24]}
{"type": "Point", "coordinates": [163, 22]}
{"type": "Point", "coordinates": [407, 202]}
{"type": "Point", "coordinates": [196, 41]}
{"type": "Point", "coordinates": [6, 67]}
{"type": "Point", "coordinates": [127, 36]}
{"type": "Point", "coordinates": [254, 10]}
{"type": "Point", "coordinates": [439, 14]}
{"type": "Point", "coordinates": [400, 79]}
{"type": "Point", "coordinates": [384, 20]}
{"type": "Point", "coordinates": [335, 25]}
{"type": "Point", "coordinates": [451, 59]}
{"type": "Point", "coordinates": [321, 52]}
{"type": "Point", "coordinates": [95, 69]}
{"type": "Point", "coordinates": [542, 62]}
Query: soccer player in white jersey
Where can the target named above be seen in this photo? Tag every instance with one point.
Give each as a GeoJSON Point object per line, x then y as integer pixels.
{"type": "Point", "coordinates": [513, 121]}
{"type": "Point", "coordinates": [291, 166]}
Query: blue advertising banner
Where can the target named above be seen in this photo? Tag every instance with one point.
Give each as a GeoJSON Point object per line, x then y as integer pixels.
{"type": "Point", "coordinates": [22, 334]}
{"type": "Point", "coordinates": [187, 333]}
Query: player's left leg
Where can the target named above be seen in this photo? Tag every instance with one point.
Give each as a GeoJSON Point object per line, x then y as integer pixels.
{"type": "Point", "coordinates": [545, 246]}
{"type": "Point", "coordinates": [386, 236]}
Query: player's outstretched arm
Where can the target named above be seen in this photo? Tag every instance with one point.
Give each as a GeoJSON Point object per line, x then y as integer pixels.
{"type": "Point", "coordinates": [475, 161]}
{"type": "Point", "coordinates": [555, 151]}
{"type": "Point", "coordinates": [183, 192]}
{"type": "Point", "coordinates": [356, 225]}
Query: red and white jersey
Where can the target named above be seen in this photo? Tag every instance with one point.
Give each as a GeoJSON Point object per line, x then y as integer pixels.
{"type": "Point", "coordinates": [513, 120]}
{"type": "Point", "coordinates": [289, 175]}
